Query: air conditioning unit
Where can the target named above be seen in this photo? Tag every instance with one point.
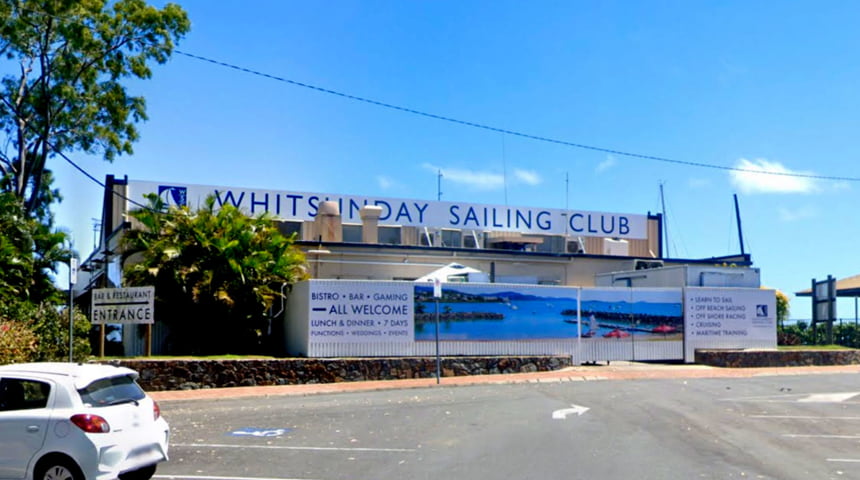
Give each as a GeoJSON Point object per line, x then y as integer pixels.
{"type": "Point", "coordinates": [576, 245]}
{"type": "Point", "coordinates": [642, 264]}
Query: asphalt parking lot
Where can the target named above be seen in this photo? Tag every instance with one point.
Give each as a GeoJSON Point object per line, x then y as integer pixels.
{"type": "Point", "coordinates": [789, 424]}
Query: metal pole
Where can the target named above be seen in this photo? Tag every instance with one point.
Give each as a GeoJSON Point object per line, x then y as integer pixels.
{"type": "Point", "coordinates": [71, 324]}
{"type": "Point", "coordinates": [831, 307]}
{"type": "Point", "coordinates": [439, 185]}
{"type": "Point", "coordinates": [438, 359]}
{"type": "Point", "coordinates": [740, 229]}
{"type": "Point", "coordinates": [665, 223]}
{"type": "Point", "coordinates": [814, 313]}
{"type": "Point", "coordinates": [73, 278]}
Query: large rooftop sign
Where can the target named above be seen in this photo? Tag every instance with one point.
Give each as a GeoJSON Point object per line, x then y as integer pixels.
{"type": "Point", "coordinates": [289, 205]}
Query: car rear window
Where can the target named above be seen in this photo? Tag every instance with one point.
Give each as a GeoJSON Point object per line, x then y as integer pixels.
{"type": "Point", "coordinates": [111, 391]}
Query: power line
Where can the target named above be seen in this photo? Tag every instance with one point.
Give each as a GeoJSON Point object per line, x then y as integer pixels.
{"type": "Point", "coordinates": [506, 131]}
{"type": "Point", "coordinates": [71, 162]}
{"type": "Point", "coordinates": [482, 126]}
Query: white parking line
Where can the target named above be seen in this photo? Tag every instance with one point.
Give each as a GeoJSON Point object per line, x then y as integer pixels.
{"type": "Point", "coordinates": [205, 477]}
{"type": "Point", "coordinates": [834, 397]}
{"type": "Point", "coordinates": [829, 397]}
{"type": "Point", "coordinates": [287, 447]}
{"type": "Point", "coordinates": [803, 417]}
{"type": "Point", "coordinates": [841, 437]}
{"type": "Point", "coordinates": [844, 460]}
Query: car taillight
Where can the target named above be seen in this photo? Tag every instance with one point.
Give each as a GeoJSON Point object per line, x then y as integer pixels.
{"type": "Point", "coordinates": [90, 423]}
{"type": "Point", "coordinates": [156, 411]}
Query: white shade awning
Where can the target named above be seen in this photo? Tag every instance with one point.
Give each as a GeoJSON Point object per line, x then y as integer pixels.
{"type": "Point", "coordinates": [450, 270]}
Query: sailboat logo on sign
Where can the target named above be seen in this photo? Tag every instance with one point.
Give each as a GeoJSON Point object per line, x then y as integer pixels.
{"type": "Point", "coordinates": [761, 310]}
{"type": "Point", "coordinates": [173, 196]}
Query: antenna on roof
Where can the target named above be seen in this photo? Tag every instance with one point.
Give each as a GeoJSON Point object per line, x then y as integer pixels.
{"type": "Point", "coordinates": [566, 190]}
{"type": "Point", "coordinates": [97, 225]}
{"type": "Point", "coordinates": [665, 222]}
{"type": "Point", "coordinates": [504, 169]}
{"type": "Point", "coordinates": [439, 185]}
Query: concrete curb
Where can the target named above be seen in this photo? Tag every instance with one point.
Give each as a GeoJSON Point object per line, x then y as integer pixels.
{"type": "Point", "coordinates": [619, 371]}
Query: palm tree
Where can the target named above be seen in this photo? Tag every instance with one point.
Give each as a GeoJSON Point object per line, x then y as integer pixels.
{"type": "Point", "coordinates": [216, 273]}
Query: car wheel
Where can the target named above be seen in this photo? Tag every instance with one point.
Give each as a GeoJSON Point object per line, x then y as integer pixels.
{"type": "Point", "coordinates": [58, 468]}
{"type": "Point", "coordinates": [144, 473]}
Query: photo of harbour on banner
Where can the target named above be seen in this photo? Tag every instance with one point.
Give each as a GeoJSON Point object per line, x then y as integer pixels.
{"type": "Point", "coordinates": [364, 318]}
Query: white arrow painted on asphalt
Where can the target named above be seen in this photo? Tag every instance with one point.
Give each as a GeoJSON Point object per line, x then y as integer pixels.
{"type": "Point", "coordinates": [564, 412]}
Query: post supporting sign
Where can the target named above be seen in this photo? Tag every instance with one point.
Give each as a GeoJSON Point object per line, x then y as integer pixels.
{"type": "Point", "coordinates": [824, 306]}
{"type": "Point", "coordinates": [437, 294]}
{"type": "Point", "coordinates": [73, 279]}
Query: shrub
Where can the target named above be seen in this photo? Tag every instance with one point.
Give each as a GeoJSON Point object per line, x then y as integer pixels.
{"type": "Point", "coordinates": [51, 329]}
{"type": "Point", "coordinates": [18, 344]}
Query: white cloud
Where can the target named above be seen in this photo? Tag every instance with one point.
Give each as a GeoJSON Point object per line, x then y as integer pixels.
{"type": "Point", "coordinates": [698, 182]}
{"type": "Point", "coordinates": [794, 215]}
{"type": "Point", "coordinates": [384, 182]}
{"type": "Point", "coordinates": [606, 164]}
{"type": "Point", "coordinates": [840, 186]}
{"type": "Point", "coordinates": [764, 176]}
{"type": "Point", "coordinates": [475, 179]}
{"type": "Point", "coordinates": [483, 180]}
{"type": "Point", "coordinates": [528, 177]}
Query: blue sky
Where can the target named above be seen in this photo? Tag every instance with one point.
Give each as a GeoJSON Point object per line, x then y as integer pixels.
{"type": "Point", "coordinates": [757, 85]}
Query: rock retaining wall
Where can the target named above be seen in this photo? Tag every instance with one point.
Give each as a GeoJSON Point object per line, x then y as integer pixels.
{"type": "Point", "coordinates": [159, 375]}
{"type": "Point", "coordinates": [776, 358]}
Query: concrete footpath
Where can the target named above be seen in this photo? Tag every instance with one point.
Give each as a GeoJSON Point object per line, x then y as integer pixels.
{"type": "Point", "coordinates": [614, 371]}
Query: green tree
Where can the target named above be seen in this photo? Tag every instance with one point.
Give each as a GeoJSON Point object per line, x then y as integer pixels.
{"type": "Point", "coordinates": [216, 273]}
{"type": "Point", "coordinates": [16, 247]}
{"type": "Point", "coordinates": [782, 307]}
{"type": "Point", "coordinates": [63, 93]}
{"type": "Point", "coordinates": [66, 93]}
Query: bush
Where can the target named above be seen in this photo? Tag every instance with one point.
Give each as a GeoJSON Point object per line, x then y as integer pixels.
{"type": "Point", "coordinates": [18, 344]}
{"type": "Point", "coordinates": [51, 329]}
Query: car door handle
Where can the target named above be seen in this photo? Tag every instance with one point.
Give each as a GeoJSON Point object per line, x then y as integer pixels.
{"type": "Point", "coordinates": [32, 428]}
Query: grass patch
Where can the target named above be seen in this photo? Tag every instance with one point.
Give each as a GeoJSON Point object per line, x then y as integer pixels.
{"type": "Point", "coordinates": [789, 348]}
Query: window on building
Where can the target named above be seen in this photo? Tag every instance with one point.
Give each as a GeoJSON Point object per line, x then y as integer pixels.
{"type": "Point", "coordinates": [352, 233]}
{"type": "Point", "coordinates": [425, 238]}
{"type": "Point", "coordinates": [551, 244]}
{"type": "Point", "coordinates": [389, 235]}
{"type": "Point", "coordinates": [471, 240]}
{"type": "Point", "coordinates": [452, 238]}
{"type": "Point", "coordinates": [288, 228]}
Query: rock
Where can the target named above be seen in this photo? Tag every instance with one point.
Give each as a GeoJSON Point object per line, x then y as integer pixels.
{"type": "Point", "coordinates": [195, 374]}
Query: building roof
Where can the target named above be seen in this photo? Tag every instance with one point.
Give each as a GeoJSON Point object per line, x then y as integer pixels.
{"type": "Point", "coordinates": [846, 287]}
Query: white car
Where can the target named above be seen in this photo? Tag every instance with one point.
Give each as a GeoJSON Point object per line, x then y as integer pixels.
{"type": "Point", "coordinates": [68, 421]}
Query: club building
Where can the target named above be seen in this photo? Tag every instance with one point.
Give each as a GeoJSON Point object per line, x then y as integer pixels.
{"type": "Point", "coordinates": [353, 238]}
